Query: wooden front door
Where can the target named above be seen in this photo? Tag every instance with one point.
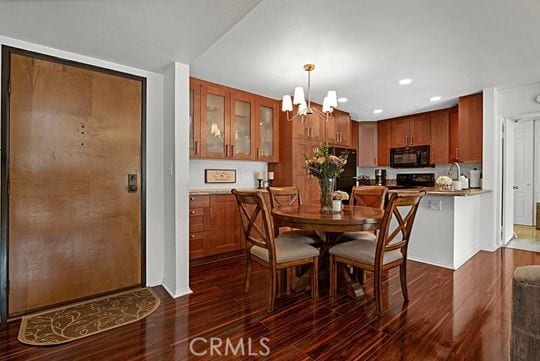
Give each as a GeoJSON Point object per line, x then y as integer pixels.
{"type": "Point", "coordinates": [74, 225]}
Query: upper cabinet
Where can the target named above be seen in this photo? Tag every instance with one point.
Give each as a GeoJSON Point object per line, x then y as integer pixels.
{"type": "Point", "coordinates": [194, 118]}
{"type": "Point", "coordinates": [410, 131]}
{"type": "Point", "coordinates": [215, 122]}
{"type": "Point", "coordinates": [227, 123]}
{"type": "Point", "coordinates": [439, 124]}
{"type": "Point", "coordinates": [367, 138]}
{"type": "Point", "coordinates": [466, 130]}
{"type": "Point", "coordinates": [267, 141]}
{"type": "Point", "coordinates": [384, 138]}
{"type": "Point", "coordinates": [243, 125]}
{"type": "Point", "coordinates": [338, 129]}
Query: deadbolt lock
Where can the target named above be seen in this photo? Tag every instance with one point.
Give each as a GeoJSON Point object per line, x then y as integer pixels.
{"type": "Point", "coordinates": [132, 183]}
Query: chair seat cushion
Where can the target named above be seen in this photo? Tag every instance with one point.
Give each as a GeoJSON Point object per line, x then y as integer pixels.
{"type": "Point", "coordinates": [287, 249]}
{"type": "Point", "coordinates": [353, 236]}
{"type": "Point", "coordinates": [363, 251]}
{"type": "Point", "coordinates": [308, 237]}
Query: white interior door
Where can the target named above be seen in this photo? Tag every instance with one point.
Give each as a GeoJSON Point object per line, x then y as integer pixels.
{"type": "Point", "coordinates": [523, 172]}
{"type": "Point", "coordinates": [508, 181]}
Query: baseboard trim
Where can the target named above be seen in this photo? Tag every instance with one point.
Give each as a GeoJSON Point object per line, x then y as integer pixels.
{"type": "Point", "coordinates": [417, 259]}
{"type": "Point", "coordinates": [180, 293]}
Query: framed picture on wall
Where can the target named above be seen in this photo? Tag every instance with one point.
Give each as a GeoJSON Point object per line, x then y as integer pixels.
{"type": "Point", "coordinates": [220, 175]}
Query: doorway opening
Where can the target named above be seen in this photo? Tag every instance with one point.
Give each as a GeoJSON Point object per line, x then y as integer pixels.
{"type": "Point", "coordinates": [521, 183]}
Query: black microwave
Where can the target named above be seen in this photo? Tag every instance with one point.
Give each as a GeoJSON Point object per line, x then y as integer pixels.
{"type": "Point", "coordinates": [410, 157]}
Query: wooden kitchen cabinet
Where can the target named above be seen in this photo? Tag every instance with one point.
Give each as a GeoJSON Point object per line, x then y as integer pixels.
{"type": "Point", "coordinates": [312, 128]}
{"type": "Point", "coordinates": [243, 125]}
{"type": "Point", "coordinates": [338, 129]}
{"type": "Point", "coordinates": [227, 123]}
{"type": "Point", "coordinates": [367, 144]}
{"type": "Point", "coordinates": [199, 226]}
{"type": "Point", "coordinates": [214, 225]}
{"type": "Point", "coordinates": [410, 131]}
{"type": "Point", "coordinates": [384, 139]}
{"type": "Point", "coordinates": [194, 118]}
{"type": "Point", "coordinates": [267, 130]}
{"type": "Point", "coordinates": [419, 130]}
{"type": "Point", "coordinates": [355, 142]}
{"type": "Point", "coordinates": [226, 235]}
{"type": "Point", "coordinates": [439, 124]}
{"type": "Point", "coordinates": [215, 122]}
{"type": "Point", "coordinates": [466, 130]}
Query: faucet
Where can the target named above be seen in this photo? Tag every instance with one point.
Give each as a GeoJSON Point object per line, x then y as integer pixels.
{"type": "Point", "coordinates": [458, 170]}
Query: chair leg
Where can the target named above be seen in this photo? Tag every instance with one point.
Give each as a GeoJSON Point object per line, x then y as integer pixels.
{"type": "Point", "coordinates": [272, 285]}
{"type": "Point", "coordinates": [315, 278]}
{"type": "Point", "coordinates": [333, 275]}
{"type": "Point", "coordinates": [377, 285]}
{"type": "Point", "coordinates": [290, 274]}
{"type": "Point", "coordinates": [248, 275]}
{"type": "Point", "coordinates": [403, 278]}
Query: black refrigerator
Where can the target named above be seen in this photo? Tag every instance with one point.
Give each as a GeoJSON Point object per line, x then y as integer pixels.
{"type": "Point", "coordinates": [347, 180]}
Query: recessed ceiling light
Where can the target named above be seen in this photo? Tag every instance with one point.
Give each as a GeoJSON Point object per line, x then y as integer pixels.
{"type": "Point", "coordinates": [435, 98]}
{"type": "Point", "coordinates": [342, 100]}
{"type": "Point", "coordinates": [377, 111]}
{"type": "Point", "coordinates": [405, 81]}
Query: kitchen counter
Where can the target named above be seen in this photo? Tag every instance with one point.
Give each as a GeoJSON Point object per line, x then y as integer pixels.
{"type": "Point", "coordinates": [204, 192]}
{"type": "Point", "coordinates": [435, 192]}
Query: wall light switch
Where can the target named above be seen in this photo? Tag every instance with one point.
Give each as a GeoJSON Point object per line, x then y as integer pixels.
{"type": "Point", "coordinates": [435, 205]}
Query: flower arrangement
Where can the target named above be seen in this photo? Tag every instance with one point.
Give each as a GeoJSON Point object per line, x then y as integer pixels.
{"type": "Point", "coordinates": [324, 165]}
{"type": "Point", "coordinates": [444, 183]}
{"type": "Point", "coordinates": [340, 196]}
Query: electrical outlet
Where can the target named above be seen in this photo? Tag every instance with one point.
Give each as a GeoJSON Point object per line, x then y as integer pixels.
{"type": "Point", "coordinates": [435, 205]}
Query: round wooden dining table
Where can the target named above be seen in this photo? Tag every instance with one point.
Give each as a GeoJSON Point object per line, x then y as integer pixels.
{"type": "Point", "coordinates": [331, 226]}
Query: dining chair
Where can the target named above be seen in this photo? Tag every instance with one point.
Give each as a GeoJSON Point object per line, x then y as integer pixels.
{"type": "Point", "coordinates": [365, 196]}
{"type": "Point", "coordinates": [289, 197]}
{"type": "Point", "coordinates": [271, 252]}
{"type": "Point", "coordinates": [388, 252]}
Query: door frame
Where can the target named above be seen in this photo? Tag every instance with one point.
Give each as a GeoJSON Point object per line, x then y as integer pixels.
{"type": "Point", "coordinates": [4, 168]}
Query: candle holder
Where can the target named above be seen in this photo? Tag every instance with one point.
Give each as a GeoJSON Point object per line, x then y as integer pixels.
{"type": "Point", "coordinates": [260, 184]}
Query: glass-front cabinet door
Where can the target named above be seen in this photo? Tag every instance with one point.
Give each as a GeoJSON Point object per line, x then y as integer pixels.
{"type": "Point", "coordinates": [267, 134]}
{"type": "Point", "coordinates": [194, 118]}
{"type": "Point", "coordinates": [215, 122]}
{"type": "Point", "coordinates": [242, 125]}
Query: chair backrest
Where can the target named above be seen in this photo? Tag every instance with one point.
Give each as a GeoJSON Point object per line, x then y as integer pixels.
{"type": "Point", "coordinates": [368, 196]}
{"type": "Point", "coordinates": [256, 221]}
{"type": "Point", "coordinates": [397, 222]}
{"type": "Point", "coordinates": [282, 197]}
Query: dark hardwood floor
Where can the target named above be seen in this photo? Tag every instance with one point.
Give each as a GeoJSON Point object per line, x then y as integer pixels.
{"type": "Point", "coordinates": [462, 315]}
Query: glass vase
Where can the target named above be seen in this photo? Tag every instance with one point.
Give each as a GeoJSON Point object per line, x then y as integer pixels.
{"type": "Point", "coordinates": [327, 186]}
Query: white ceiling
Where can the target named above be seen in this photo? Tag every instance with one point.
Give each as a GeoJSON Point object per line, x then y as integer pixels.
{"type": "Point", "coordinates": [147, 34]}
{"type": "Point", "coordinates": [361, 48]}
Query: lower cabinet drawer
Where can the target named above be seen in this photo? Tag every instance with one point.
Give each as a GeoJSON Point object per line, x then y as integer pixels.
{"type": "Point", "coordinates": [200, 201]}
{"type": "Point", "coordinates": [199, 244]}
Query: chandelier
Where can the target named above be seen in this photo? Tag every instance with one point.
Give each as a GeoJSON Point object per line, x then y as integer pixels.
{"type": "Point", "coordinates": [304, 108]}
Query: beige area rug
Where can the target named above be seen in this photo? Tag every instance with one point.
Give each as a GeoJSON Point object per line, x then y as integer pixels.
{"type": "Point", "coordinates": [87, 318]}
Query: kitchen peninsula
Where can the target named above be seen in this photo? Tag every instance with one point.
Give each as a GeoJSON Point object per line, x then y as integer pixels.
{"type": "Point", "coordinates": [448, 227]}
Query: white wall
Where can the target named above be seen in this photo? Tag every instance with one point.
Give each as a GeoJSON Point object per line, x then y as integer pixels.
{"type": "Point", "coordinates": [245, 173]}
{"type": "Point", "coordinates": [499, 103]}
{"type": "Point", "coordinates": [154, 151]}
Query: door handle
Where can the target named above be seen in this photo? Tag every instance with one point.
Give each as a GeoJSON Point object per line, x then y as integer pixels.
{"type": "Point", "coordinates": [232, 151]}
{"type": "Point", "coordinates": [412, 139]}
{"type": "Point", "coordinates": [132, 183]}
{"type": "Point", "coordinates": [515, 187]}
{"type": "Point", "coordinates": [406, 140]}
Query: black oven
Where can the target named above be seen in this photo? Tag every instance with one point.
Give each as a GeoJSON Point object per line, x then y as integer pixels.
{"type": "Point", "coordinates": [410, 157]}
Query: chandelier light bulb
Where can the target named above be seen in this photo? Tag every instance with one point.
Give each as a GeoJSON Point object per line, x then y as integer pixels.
{"type": "Point", "coordinates": [298, 95]}
{"type": "Point", "coordinates": [332, 98]}
{"type": "Point", "coordinates": [286, 104]}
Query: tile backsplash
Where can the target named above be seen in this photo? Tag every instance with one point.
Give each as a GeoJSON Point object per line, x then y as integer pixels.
{"type": "Point", "coordinates": [441, 169]}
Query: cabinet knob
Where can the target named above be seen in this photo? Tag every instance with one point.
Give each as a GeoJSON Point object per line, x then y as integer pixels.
{"type": "Point", "coordinates": [192, 236]}
{"type": "Point", "coordinates": [192, 212]}
{"type": "Point", "coordinates": [191, 198]}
